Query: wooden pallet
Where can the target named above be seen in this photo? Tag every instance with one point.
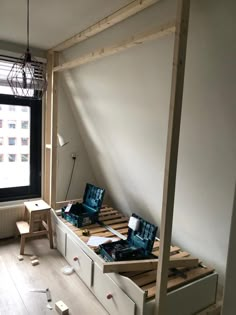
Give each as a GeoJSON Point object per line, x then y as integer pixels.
{"type": "Point", "coordinates": [146, 280]}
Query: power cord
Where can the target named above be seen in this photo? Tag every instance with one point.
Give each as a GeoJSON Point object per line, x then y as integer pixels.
{"type": "Point", "coordinates": [71, 175]}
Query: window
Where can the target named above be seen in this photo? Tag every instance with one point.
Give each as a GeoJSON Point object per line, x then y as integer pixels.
{"type": "Point", "coordinates": [1, 157]}
{"type": "Point", "coordinates": [24, 124]}
{"type": "Point", "coordinates": [12, 124]}
{"type": "Point", "coordinates": [12, 141]}
{"type": "Point", "coordinates": [24, 141]}
{"type": "Point", "coordinates": [24, 157]}
{"type": "Point", "coordinates": [0, 123]}
{"type": "Point", "coordinates": [12, 157]}
{"type": "Point", "coordinates": [20, 172]}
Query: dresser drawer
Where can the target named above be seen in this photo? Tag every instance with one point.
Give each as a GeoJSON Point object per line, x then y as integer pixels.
{"type": "Point", "coordinates": [77, 258]}
{"type": "Point", "coordinates": [115, 301]}
{"type": "Point", "coordinates": [61, 240]}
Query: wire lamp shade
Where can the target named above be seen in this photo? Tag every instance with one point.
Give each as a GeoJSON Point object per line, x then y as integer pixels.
{"type": "Point", "coordinates": [27, 77]}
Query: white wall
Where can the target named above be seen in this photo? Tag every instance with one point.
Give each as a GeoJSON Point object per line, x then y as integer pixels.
{"type": "Point", "coordinates": [121, 108]}
{"type": "Point", "coordinates": [82, 170]}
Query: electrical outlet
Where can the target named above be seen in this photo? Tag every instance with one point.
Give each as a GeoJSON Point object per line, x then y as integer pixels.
{"type": "Point", "coordinates": [74, 155]}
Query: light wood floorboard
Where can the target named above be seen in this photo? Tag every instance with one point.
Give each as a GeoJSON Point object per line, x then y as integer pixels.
{"type": "Point", "coordinates": [18, 277]}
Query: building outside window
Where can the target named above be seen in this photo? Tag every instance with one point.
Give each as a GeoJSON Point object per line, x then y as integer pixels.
{"type": "Point", "coordinates": [24, 124]}
{"type": "Point", "coordinates": [24, 109]}
{"type": "Point", "coordinates": [24, 141]}
{"type": "Point", "coordinates": [1, 140]}
{"type": "Point", "coordinates": [11, 157]}
{"type": "Point", "coordinates": [12, 124]}
{"type": "Point", "coordinates": [11, 108]}
{"type": "Point", "coordinates": [0, 123]}
{"type": "Point", "coordinates": [24, 157]}
{"type": "Point", "coordinates": [1, 157]}
{"type": "Point", "coordinates": [12, 141]}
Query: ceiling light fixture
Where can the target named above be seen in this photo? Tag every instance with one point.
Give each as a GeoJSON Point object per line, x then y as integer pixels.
{"type": "Point", "coordinates": [27, 77]}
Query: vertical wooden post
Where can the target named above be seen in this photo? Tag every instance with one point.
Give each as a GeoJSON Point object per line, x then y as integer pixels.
{"type": "Point", "coordinates": [172, 153]}
{"type": "Point", "coordinates": [49, 189]}
{"type": "Point", "coordinates": [54, 133]}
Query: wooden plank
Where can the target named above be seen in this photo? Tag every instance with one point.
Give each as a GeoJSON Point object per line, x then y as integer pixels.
{"type": "Point", "coordinates": [116, 17]}
{"type": "Point", "coordinates": [104, 218]}
{"type": "Point", "coordinates": [173, 249]}
{"type": "Point", "coordinates": [147, 264]}
{"type": "Point", "coordinates": [106, 213]}
{"type": "Point", "coordinates": [48, 132]}
{"type": "Point", "coordinates": [150, 276]}
{"type": "Point", "coordinates": [175, 110]}
{"type": "Point", "coordinates": [176, 282]}
{"type": "Point", "coordinates": [23, 227]}
{"type": "Point", "coordinates": [49, 193]}
{"type": "Point", "coordinates": [157, 32]}
{"type": "Point", "coordinates": [124, 219]}
{"type": "Point", "coordinates": [54, 133]}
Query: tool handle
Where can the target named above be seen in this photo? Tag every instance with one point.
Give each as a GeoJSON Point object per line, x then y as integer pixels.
{"type": "Point", "coordinates": [48, 293]}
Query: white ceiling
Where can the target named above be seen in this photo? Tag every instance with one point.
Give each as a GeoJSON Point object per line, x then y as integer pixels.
{"type": "Point", "coordinates": [51, 21]}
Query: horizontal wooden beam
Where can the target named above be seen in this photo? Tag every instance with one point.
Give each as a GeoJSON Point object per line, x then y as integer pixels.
{"type": "Point", "coordinates": [118, 16]}
{"type": "Point", "coordinates": [155, 33]}
{"type": "Point", "coordinates": [147, 264]}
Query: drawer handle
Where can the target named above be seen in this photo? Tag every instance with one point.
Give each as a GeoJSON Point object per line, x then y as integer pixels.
{"type": "Point", "coordinates": [75, 258]}
{"type": "Point", "coordinates": [109, 296]}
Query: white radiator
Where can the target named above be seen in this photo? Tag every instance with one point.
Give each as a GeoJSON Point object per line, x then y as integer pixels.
{"type": "Point", "coordinates": [8, 217]}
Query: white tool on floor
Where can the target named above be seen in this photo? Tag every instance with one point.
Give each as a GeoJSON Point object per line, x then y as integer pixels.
{"type": "Point", "coordinates": [47, 291]}
{"type": "Point", "coordinates": [61, 308]}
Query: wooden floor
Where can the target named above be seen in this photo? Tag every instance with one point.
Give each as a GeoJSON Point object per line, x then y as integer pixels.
{"type": "Point", "coordinates": [17, 278]}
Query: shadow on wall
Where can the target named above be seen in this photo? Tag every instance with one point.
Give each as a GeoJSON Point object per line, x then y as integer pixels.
{"type": "Point", "coordinates": [104, 155]}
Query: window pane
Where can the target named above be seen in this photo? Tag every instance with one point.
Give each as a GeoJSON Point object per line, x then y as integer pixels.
{"type": "Point", "coordinates": [12, 124]}
{"type": "Point", "coordinates": [25, 124]}
{"type": "Point", "coordinates": [15, 146]}
{"type": "Point", "coordinates": [12, 157]}
{"type": "Point", "coordinates": [24, 157]}
{"type": "Point", "coordinates": [12, 141]}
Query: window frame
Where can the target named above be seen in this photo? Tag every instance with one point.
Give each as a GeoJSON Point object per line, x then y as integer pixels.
{"type": "Point", "coordinates": [34, 189]}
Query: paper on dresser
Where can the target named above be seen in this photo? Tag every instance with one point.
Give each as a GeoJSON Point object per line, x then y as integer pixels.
{"type": "Point", "coordinates": [98, 240]}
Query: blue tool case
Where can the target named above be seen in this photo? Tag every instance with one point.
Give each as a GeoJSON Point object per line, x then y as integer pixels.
{"type": "Point", "coordinates": [139, 243]}
{"type": "Point", "coordinates": [87, 212]}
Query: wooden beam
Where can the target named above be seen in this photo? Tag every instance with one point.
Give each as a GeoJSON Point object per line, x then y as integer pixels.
{"type": "Point", "coordinates": [54, 133]}
{"type": "Point", "coordinates": [118, 16]}
{"type": "Point", "coordinates": [147, 264]}
{"type": "Point", "coordinates": [48, 131]}
{"type": "Point", "coordinates": [175, 110]}
{"type": "Point", "coordinates": [155, 33]}
{"type": "Point", "coordinates": [49, 188]}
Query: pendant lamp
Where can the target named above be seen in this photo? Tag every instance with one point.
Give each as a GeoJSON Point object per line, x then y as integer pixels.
{"type": "Point", "coordinates": [27, 77]}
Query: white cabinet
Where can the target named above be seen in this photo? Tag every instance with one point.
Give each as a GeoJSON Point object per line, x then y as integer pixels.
{"type": "Point", "coordinates": [111, 296]}
{"type": "Point", "coordinates": [77, 258]}
{"type": "Point", "coordinates": [119, 294]}
{"type": "Point", "coordinates": [60, 240]}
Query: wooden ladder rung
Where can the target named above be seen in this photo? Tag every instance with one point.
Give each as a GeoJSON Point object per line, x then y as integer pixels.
{"type": "Point", "coordinates": [23, 227]}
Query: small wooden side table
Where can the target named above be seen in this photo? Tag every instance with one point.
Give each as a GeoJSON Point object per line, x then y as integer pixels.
{"type": "Point", "coordinates": [36, 212]}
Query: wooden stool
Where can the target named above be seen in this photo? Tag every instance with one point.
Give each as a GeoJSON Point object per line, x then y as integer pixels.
{"type": "Point", "coordinates": [36, 212]}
